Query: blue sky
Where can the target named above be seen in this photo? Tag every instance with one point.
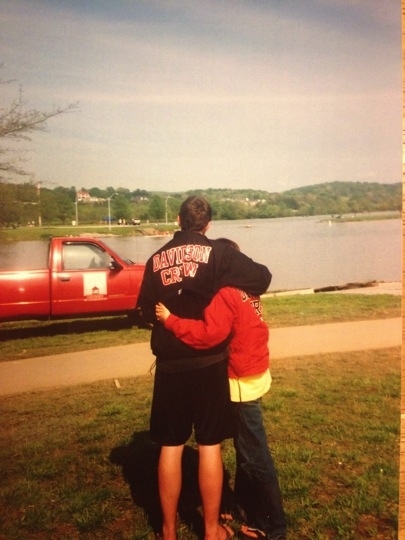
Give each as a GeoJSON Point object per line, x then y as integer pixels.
{"type": "Point", "coordinates": [186, 94]}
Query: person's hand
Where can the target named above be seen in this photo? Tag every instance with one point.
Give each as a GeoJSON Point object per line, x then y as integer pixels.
{"type": "Point", "coordinates": [162, 313]}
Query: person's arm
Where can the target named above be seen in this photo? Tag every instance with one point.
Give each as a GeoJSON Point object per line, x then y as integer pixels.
{"type": "Point", "coordinates": [238, 270]}
{"type": "Point", "coordinates": [214, 329]}
{"type": "Point", "coordinates": [146, 299]}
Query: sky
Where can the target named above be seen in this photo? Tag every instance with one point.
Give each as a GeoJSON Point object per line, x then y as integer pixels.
{"type": "Point", "coordinates": [194, 94]}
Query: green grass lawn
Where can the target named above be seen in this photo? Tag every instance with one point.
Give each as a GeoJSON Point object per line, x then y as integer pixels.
{"type": "Point", "coordinates": [45, 232]}
{"type": "Point", "coordinates": [76, 463]}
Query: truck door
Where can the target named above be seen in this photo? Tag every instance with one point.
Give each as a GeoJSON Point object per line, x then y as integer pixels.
{"type": "Point", "coordinates": [86, 284]}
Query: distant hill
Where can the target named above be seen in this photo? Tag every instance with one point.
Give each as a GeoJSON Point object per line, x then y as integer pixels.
{"type": "Point", "coordinates": [332, 198]}
{"type": "Point", "coordinates": [22, 204]}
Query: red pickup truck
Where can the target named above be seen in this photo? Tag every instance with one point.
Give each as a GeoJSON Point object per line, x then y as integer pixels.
{"type": "Point", "coordinates": [84, 278]}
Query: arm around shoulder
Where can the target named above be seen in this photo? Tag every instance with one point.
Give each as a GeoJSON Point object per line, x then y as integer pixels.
{"type": "Point", "coordinates": [244, 273]}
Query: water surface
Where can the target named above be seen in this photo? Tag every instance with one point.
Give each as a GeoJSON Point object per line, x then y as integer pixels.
{"type": "Point", "coordinates": [300, 252]}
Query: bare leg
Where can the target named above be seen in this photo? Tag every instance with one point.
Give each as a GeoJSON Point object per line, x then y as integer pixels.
{"type": "Point", "coordinates": [169, 475]}
{"type": "Point", "coordinates": [210, 476]}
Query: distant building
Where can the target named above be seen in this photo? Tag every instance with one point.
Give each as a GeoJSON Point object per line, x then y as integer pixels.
{"type": "Point", "coordinates": [84, 196]}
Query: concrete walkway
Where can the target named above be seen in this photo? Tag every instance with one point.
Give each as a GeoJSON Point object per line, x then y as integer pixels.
{"type": "Point", "coordinates": [134, 360]}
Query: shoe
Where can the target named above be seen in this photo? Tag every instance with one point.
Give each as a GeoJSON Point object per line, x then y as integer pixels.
{"type": "Point", "coordinates": [250, 533]}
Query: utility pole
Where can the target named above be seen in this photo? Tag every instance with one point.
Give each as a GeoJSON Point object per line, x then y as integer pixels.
{"type": "Point", "coordinates": [168, 197]}
{"type": "Point", "coordinates": [39, 204]}
{"type": "Point", "coordinates": [109, 210]}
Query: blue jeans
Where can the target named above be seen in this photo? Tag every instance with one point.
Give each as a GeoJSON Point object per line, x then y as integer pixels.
{"type": "Point", "coordinates": [257, 488]}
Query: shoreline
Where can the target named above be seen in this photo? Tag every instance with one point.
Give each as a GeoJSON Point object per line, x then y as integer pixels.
{"type": "Point", "coordinates": [369, 287]}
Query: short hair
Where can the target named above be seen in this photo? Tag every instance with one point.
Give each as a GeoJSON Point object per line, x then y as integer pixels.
{"type": "Point", "coordinates": [229, 242]}
{"type": "Point", "coordinates": [195, 214]}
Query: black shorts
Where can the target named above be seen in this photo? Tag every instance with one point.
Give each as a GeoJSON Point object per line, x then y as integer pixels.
{"type": "Point", "coordinates": [197, 399]}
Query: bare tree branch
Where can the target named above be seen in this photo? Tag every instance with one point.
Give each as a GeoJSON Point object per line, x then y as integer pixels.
{"type": "Point", "coordinates": [18, 123]}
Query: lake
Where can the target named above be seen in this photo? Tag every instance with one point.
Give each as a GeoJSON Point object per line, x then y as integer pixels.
{"type": "Point", "coordinates": [300, 252]}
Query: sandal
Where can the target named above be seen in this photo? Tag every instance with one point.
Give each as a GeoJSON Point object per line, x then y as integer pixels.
{"type": "Point", "coordinates": [250, 533]}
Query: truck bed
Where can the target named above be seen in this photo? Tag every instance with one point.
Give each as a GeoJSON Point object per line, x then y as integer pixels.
{"type": "Point", "coordinates": [24, 294]}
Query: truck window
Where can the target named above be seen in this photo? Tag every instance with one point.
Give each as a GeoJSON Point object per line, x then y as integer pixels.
{"type": "Point", "coordinates": [84, 257]}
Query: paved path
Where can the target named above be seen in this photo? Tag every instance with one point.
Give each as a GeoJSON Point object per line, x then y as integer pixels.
{"type": "Point", "coordinates": [133, 360]}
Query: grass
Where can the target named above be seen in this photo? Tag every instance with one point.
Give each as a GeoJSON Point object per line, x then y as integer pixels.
{"type": "Point", "coordinates": [76, 463]}
{"type": "Point", "coordinates": [44, 233]}
{"type": "Point", "coordinates": [365, 217]}
{"type": "Point", "coordinates": [323, 308]}
{"type": "Point", "coordinates": [30, 339]}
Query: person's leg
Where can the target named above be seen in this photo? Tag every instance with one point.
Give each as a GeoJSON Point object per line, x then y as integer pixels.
{"type": "Point", "coordinates": [212, 424]}
{"type": "Point", "coordinates": [210, 477]}
{"type": "Point", "coordinates": [169, 476]}
{"type": "Point", "coordinates": [170, 428]}
{"type": "Point", "coordinates": [257, 471]}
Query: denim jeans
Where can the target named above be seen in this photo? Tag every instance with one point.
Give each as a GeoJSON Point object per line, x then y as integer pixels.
{"type": "Point", "coordinates": [257, 488]}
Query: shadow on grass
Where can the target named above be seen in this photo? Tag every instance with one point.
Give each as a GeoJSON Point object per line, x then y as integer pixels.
{"type": "Point", "coordinates": [139, 461]}
{"type": "Point", "coordinates": [68, 327]}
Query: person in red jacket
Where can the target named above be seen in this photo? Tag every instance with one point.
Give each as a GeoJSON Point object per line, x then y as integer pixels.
{"type": "Point", "coordinates": [233, 312]}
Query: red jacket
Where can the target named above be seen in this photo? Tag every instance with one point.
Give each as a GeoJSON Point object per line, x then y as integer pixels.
{"type": "Point", "coordinates": [235, 313]}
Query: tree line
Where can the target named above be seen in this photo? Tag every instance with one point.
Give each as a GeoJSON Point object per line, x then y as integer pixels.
{"type": "Point", "coordinates": [23, 204]}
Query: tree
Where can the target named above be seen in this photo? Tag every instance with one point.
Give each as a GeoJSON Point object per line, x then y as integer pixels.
{"type": "Point", "coordinates": [157, 208]}
{"type": "Point", "coordinates": [18, 122]}
{"type": "Point", "coordinates": [121, 208]}
{"type": "Point", "coordinates": [97, 192]}
{"type": "Point", "coordinates": [56, 207]}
